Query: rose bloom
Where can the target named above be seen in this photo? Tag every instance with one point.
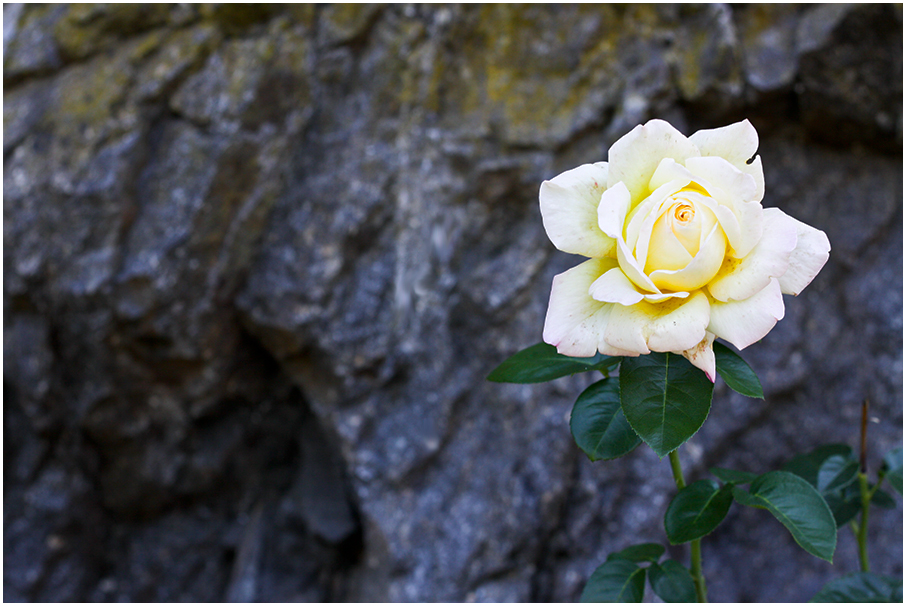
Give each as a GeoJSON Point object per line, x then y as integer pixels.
{"type": "Point", "coordinates": [680, 248]}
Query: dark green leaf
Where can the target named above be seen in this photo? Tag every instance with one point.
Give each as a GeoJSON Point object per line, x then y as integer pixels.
{"type": "Point", "coordinates": [883, 500]}
{"type": "Point", "coordinates": [616, 580]}
{"type": "Point", "coordinates": [643, 552]}
{"type": "Point", "coordinates": [844, 504]}
{"type": "Point", "coordinates": [798, 506]}
{"type": "Point", "coordinates": [696, 510]}
{"type": "Point", "coordinates": [541, 362]}
{"type": "Point", "coordinates": [672, 582]}
{"type": "Point", "coordinates": [732, 476]}
{"type": "Point", "coordinates": [598, 424]}
{"type": "Point", "coordinates": [743, 497]}
{"type": "Point", "coordinates": [861, 587]}
{"type": "Point", "coordinates": [806, 466]}
{"type": "Point", "coordinates": [738, 375]}
{"type": "Point", "coordinates": [665, 399]}
{"type": "Point", "coordinates": [893, 468]}
{"type": "Point", "coordinates": [837, 471]}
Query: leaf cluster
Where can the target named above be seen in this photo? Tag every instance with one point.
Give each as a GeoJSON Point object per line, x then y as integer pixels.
{"type": "Point", "coordinates": [833, 470]}
{"type": "Point", "coordinates": [662, 400]}
{"type": "Point", "coordinates": [621, 578]}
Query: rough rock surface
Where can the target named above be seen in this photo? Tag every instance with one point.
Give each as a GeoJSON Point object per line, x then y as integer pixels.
{"type": "Point", "coordinates": [258, 261]}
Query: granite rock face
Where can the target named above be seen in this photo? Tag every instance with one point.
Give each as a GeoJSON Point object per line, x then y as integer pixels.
{"type": "Point", "coordinates": [259, 259]}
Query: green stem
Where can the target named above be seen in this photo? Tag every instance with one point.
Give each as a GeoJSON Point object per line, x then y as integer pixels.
{"type": "Point", "coordinates": [862, 536]}
{"type": "Point", "coordinates": [677, 470]}
{"type": "Point", "coordinates": [701, 591]}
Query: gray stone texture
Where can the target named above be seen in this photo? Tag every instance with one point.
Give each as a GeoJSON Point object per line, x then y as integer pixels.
{"type": "Point", "coordinates": [258, 261]}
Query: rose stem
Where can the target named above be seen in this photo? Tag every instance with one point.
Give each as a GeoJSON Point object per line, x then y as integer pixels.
{"type": "Point", "coordinates": [862, 535]}
{"type": "Point", "coordinates": [698, 578]}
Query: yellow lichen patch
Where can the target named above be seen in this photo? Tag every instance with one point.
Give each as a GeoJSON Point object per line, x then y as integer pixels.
{"type": "Point", "coordinates": [344, 22]}
{"type": "Point", "coordinates": [86, 29]}
{"type": "Point", "coordinates": [547, 71]}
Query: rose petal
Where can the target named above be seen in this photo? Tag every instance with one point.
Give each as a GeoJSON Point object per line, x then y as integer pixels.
{"type": "Point", "coordinates": [612, 208]}
{"type": "Point", "coordinates": [735, 191]}
{"type": "Point", "coordinates": [657, 298]}
{"type": "Point", "coordinates": [615, 287]}
{"type": "Point", "coordinates": [569, 210]}
{"type": "Point", "coordinates": [740, 279]}
{"type": "Point", "coordinates": [669, 170]}
{"type": "Point", "coordinates": [811, 253]}
{"type": "Point", "coordinates": [631, 268]}
{"type": "Point", "coordinates": [744, 322]}
{"type": "Point", "coordinates": [670, 326]}
{"type": "Point", "coordinates": [702, 268]}
{"type": "Point", "coordinates": [661, 247]}
{"type": "Point", "coordinates": [743, 224]}
{"type": "Point", "coordinates": [702, 356]}
{"type": "Point", "coordinates": [639, 215]}
{"type": "Point", "coordinates": [736, 143]}
{"type": "Point", "coordinates": [611, 216]}
{"type": "Point", "coordinates": [720, 173]}
{"type": "Point", "coordinates": [637, 154]}
{"type": "Point", "coordinates": [575, 322]}
{"type": "Point", "coordinates": [754, 169]}
{"type": "Point", "coordinates": [608, 350]}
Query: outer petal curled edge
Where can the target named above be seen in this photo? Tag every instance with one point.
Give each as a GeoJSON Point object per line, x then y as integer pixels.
{"type": "Point", "coordinates": [811, 253]}
{"type": "Point", "coordinates": [745, 322]}
{"type": "Point", "coordinates": [569, 210]}
{"type": "Point", "coordinates": [575, 321]}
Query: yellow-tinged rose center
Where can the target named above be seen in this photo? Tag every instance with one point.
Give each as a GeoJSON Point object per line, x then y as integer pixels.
{"type": "Point", "coordinates": [687, 246]}
{"type": "Point", "coordinates": [684, 213]}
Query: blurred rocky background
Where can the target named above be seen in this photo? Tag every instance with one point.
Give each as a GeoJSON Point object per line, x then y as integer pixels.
{"type": "Point", "coordinates": [258, 261]}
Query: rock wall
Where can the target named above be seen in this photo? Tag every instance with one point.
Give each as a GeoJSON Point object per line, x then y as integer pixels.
{"type": "Point", "coordinates": [259, 259]}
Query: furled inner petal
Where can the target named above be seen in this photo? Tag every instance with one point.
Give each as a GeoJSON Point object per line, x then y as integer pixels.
{"type": "Point", "coordinates": [665, 250]}
{"type": "Point", "coordinates": [702, 268]}
{"type": "Point", "coordinates": [687, 224]}
{"type": "Point", "coordinates": [683, 246]}
{"type": "Point", "coordinates": [650, 205]}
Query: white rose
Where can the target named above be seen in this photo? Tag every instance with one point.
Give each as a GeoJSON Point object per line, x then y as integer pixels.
{"type": "Point", "coordinates": [681, 250]}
